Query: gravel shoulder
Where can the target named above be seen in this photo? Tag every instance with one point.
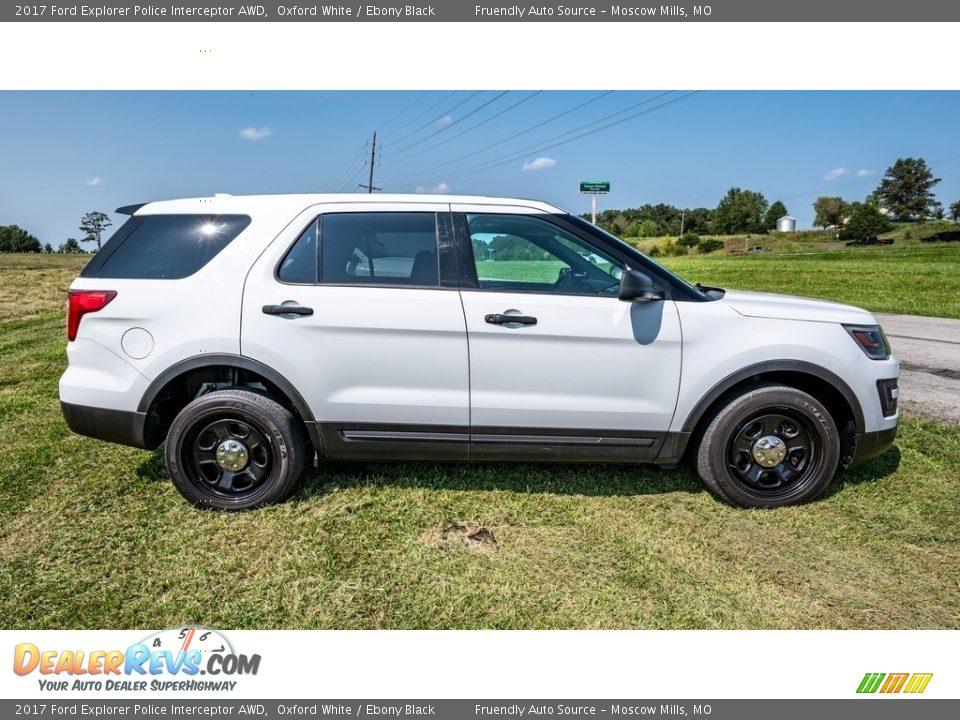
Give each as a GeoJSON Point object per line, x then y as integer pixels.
{"type": "Point", "coordinates": [929, 353]}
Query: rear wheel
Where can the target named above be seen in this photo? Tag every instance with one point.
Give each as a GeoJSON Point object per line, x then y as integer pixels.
{"type": "Point", "coordinates": [234, 450]}
{"type": "Point", "coordinates": [772, 445]}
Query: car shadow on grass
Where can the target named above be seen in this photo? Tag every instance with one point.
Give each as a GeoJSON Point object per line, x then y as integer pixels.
{"type": "Point", "coordinates": [529, 478]}
{"type": "Point", "coordinates": [559, 478]}
{"type": "Point", "coordinates": [870, 472]}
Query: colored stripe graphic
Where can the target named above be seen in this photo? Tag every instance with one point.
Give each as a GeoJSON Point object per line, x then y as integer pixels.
{"type": "Point", "coordinates": [918, 683]}
{"type": "Point", "coordinates": [870, 682]}
{"type": "Point", "coordinates": [894, 683]}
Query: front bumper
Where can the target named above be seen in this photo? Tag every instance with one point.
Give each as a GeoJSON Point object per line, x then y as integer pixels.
{"type": "Point", "coordinates": [872, 444]}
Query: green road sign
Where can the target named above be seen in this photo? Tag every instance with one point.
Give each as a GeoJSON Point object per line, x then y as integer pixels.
{"type": "Point", "coordinates": [595, 186]}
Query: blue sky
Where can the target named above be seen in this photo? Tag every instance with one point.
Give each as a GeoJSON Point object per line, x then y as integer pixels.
{"type": "Point", "coordinates": [66, 153]}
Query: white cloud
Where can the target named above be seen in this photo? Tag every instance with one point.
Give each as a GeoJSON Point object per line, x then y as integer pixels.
{"type": "Point", "coordinates": [865, 173]}
{"type": "Point", "coordinates": [541, 163]}
{"type": "Point", "coordinates": [441, 189]}
{"type": "Point", "coordinates": [445, 120]}
{"type": "Point", "coordinates": [95, 182]}
{"type": "Point", "coordinates": [255, 133]}
{"type": "Point", "coordinates": [835, 173]}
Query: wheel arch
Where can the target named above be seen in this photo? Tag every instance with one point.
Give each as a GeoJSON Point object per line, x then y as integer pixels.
{"type": "Point", "coordinates": [824, 385]}
{"type": "Point", "coordinates": [179, 384]}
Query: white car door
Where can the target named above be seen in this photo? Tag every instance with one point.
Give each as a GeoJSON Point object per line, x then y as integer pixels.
{"type": "Point", "coordinates": [559, 366]}
{"type": "Point", "coordinates": [356, 305]}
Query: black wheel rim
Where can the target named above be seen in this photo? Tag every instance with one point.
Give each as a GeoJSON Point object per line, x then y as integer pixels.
{"type": "Point", "coordinates": [762, 439]}
{"type": "Point", "coordinates": [219, 467]}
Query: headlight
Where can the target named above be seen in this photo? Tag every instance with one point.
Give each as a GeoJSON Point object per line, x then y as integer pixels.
{"type": "Point", "coordinates": [871, 340]}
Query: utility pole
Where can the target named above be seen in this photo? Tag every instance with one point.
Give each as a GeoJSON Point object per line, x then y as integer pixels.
{"type": "Point", "coordinates": [373, 156]}
{"type": "Point", "coordinates": [593, 211]}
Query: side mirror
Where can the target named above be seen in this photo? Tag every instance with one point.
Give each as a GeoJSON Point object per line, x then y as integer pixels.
{"type": "Point", "coordinates": [634, 285]}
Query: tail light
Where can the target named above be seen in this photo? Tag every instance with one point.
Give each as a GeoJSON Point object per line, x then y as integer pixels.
{"type": "Point", "coordinates": [81, 302]}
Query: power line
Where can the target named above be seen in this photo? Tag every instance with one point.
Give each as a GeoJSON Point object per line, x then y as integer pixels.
{"type": "Point", "coordinates": [540, 147]}
{"type": "Point", "coordinates": [452, 123]}
{"type": "Point", "coordinates": [408, 107]}
{"type": "Point", "coordinates": [521, 154]}
{"type": "Point", "coordinates": [349, 181]}
{"type": "Point", "coordinates": [442, 115]}
{"type": "Point", "coordinates": [471, 128]}
{"type": "Point", "coordinates": [339, 181]}
{"type": "Point", "coordinates": [506, 139]}
{"type": "Point", "coordinates": [417, 117]}
{"type": "Point", "coordinates": [338, 178]}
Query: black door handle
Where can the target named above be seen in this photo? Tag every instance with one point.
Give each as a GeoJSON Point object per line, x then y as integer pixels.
{"type": "Point", "coordinates": [497, 319]}
{"type": "Point", "coordinates": [287, 310]}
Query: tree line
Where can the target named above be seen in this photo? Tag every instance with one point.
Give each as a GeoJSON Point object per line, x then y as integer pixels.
{"type": "Point", "coordinates": [905, 193]}
{"type": "Point", "coordinates": [14, 239]}
{"type": "Point", "coordinates": [739, 211]}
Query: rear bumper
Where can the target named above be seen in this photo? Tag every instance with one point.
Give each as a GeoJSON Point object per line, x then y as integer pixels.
{"type": "Point", "coordinates": [872, 444]}
{"type": "Point", "coordinates": [116, 426]}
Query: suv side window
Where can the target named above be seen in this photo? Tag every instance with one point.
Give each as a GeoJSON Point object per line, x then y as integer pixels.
{"type": "Point", "coordinates": [164, 247]}
{"type": "Point", "coordinates": [379, 248]}
{"type": "Point", "coordinates": [522, 253]}
{"type": "Point", "coordinates": [299, 266]}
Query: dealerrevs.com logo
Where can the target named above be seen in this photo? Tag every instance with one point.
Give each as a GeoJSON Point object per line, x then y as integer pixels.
{"type": "Point", "coordinates": [910, 683]}
{"type": "Point", "coordinates": [173, 659]}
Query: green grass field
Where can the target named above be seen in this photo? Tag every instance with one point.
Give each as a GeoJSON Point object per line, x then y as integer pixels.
{"type": "Point", "coordinates": [916, 280]}
{"type": "Point", "coordinates": [93, 535]}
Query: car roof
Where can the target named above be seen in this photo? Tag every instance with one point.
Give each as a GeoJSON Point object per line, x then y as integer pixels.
{"type": "Point", "coordinates": [246, 204]}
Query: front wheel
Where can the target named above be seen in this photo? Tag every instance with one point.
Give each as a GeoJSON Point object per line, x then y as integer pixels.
{"type": "Point", "coordinates": [772, 445]}
{"type": "Point", "coordinates": [235, 450]}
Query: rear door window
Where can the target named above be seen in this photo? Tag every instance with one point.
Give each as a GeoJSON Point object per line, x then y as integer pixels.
{"type": "Point", "coordinates": [164, 247]}
{"type": "Point", "coordinates": [299, 266]}
{"type": "Point", "coordinates": [379, 248]}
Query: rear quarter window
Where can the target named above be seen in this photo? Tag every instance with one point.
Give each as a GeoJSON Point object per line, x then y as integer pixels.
{"type": "Point", "coordinates": [164, 247]}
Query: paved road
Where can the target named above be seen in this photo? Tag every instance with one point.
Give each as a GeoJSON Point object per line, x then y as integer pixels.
{"type": "Point", "coordinates": [929, 353]}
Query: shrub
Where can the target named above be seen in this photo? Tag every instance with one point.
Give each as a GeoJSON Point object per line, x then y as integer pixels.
{"type": "Point", "coordinates": [708, 245]}
{"type": "Point", "coordinates": [689, 240]}
{"type": "Point", "coordinates": [643, 229]}
{"type": "Point", "coordinates": [667, 247]}
{"type": "Point", "coordinates": [865, 220]}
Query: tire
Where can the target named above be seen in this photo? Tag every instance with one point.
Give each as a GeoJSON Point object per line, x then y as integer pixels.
{"type": "Point", "coordinates": [235, 450]}
{"type": "Point", "coordinates": [756, 427]}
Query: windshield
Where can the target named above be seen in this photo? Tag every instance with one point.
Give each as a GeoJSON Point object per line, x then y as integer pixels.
{"type": "Point", "coordinates": [645, 263]}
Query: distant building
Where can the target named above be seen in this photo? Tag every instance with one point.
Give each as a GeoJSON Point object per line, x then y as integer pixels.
{"type": "Point", "coordinates": [787, 224]}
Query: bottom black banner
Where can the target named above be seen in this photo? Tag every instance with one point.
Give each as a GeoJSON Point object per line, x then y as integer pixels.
{"type": "Point", "coordinates": [871, 708]}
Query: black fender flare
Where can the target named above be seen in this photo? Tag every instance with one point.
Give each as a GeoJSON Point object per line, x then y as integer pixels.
{"type": "Point", "coordinates": [771, 366]}
{"type": "Point", "coordinates": [236, 361]}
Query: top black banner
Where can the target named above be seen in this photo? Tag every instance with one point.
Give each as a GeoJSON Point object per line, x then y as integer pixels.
{"type": "Point", "coordinates": [469, 11]}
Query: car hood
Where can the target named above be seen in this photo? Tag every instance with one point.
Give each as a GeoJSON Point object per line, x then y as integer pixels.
{"type": "Point", "coordinates": [790, 307]}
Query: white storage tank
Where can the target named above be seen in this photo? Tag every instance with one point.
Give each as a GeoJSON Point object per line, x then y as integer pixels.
{"type": "Point", "coordinates": [786, 224]}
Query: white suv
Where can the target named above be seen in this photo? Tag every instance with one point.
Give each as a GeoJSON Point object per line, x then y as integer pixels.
{"type": "Point", "coordinates": [254, 334]}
